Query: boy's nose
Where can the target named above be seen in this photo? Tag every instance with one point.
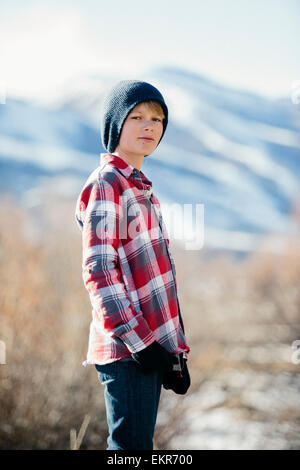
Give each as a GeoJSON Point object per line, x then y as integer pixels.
{"type": "Point", "coordinates": [148, 124]}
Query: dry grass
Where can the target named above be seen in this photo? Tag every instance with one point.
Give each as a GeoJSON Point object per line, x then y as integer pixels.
{"type": "Point", "coordinates": [45, 315]}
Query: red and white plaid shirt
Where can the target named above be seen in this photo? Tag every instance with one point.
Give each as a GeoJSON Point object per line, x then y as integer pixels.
{"type": "Point", "coordinates": [127, 267]}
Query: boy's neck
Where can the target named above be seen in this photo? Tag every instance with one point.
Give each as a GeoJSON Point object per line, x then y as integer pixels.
{"type": "Point", "coordinates": [135, 161]}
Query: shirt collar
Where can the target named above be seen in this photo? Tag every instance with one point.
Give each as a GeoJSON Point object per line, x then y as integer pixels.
{"type": "Point", "coordinates": [125, 168]}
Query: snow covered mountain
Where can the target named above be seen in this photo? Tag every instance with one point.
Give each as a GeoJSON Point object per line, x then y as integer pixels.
{"type": "Point", "coordinates": [236, 153]}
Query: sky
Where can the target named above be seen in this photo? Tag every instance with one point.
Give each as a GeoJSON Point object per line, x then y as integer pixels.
{"type": "Point", "coordinates": [249, 45]}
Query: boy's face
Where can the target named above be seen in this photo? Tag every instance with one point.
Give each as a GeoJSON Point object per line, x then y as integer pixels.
{"type": "Point", "coordinates": [141, 131]}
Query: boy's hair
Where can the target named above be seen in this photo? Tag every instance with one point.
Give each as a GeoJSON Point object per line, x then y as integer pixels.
{"type": "Point", "coordinates": [118, 103]}
{"type": "Point", "coordinates": [155, 107]}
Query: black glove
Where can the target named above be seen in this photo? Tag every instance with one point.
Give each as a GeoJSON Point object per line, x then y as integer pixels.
{"type": "Point", "coordinates": [152, 358]}
{"type": "Point", "coordinates": [178, 381]}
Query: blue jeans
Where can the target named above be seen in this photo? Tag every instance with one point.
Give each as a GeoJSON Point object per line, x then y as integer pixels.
{"type": "Point", "coordinates": [131, 400]}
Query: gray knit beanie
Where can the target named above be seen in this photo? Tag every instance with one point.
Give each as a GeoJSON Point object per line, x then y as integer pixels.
{"type": "Point", "coordinates": [118, 103]}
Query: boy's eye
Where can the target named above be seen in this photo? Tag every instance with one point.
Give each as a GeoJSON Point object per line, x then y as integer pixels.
{"type": "Point", "coordinates": [137, 117]}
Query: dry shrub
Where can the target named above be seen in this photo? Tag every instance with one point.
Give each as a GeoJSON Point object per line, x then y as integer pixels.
{"type": "Point", "coordinates": [44, 322]}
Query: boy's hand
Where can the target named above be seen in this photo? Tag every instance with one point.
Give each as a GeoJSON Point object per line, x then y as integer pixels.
{"type": "Point", "coordinates": [179, 382]}
{"type": "Point", "coordinates": [152, 358]}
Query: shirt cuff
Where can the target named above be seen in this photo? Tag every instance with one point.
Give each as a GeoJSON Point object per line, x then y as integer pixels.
{"type": "Point", "coordinates": [140, 336]}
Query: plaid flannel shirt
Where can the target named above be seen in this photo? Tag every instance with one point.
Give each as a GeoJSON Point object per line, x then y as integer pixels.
{"type": "Point", "coordinates": [127, 267]}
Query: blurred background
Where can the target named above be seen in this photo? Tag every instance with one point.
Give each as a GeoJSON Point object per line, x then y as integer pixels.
{"type": "Point", "coordinates": [230, 74]}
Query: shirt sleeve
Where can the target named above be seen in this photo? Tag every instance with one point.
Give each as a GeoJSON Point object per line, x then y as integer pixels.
{"type": "Point", "coordinates": [99, 214]}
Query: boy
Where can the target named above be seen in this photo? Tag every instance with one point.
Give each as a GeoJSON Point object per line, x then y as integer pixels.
{"type": "Point", "coordinates": [137, 341]}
